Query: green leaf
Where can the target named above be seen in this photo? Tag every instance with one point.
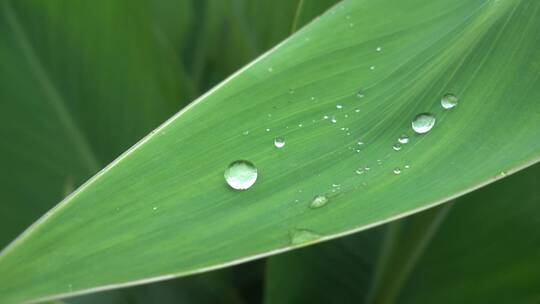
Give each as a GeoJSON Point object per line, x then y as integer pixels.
{"type": "Point", "coordinates": [484, 251]}
{"type": "Point", "coordinates": [163, 209]}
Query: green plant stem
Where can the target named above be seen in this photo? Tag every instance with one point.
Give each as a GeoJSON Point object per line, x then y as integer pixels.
{"type": "Point", "coordinates": [297, 14]}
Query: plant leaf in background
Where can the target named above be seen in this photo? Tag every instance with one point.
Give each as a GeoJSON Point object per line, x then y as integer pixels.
{"type": "Point", "coordinates": [485, 251]}
{"type": "Point", "coordinates": [163, 209]}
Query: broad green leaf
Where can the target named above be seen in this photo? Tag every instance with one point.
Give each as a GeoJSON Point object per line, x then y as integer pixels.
{"type": "Point", "coordinates": [163, 209]}
{"type": "Point", "coordinates": [485, 250]}
{"type": "Point", "coordinates": [68, 99]}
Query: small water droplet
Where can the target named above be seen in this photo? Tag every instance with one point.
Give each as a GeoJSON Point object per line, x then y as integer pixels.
{"type": "Point", "coordinates": [318, 201]}
{"type": "Point", "coordinates": [360, 94]}
{"type": "Point", "coordinates": [312, 98]}
{"type": "Point", "coordinates": [366, 168]}
{"type": "Point", "coordinates": [291, 91]}
{"type": "Point", "coordinates": [346, 115]}
{"type": "Point", "coordinates": [357, 110]}
{"type": "Point", "coordinates": [279, 142]}
{"type": "Point", "coordinates": [397, 171]}
{"type": "Point", "coordinates": [267, 129]}
{"type": "Point", "coordinates": [333, 120]}
{"type": "Point", "coordinates": [338, 106]}
{"type": "Point", "coordinates": [303, 236]}
{"type": "Point", "coordinates": [270, 69]}
{"type": "Point", "coordinates": [300, 125]}
{"type": "Point", "coordinates": [360, 143]}
{"type": "Point", "coordinates": [379, 49]}
{"type": "Point", "coordinates": [241, 174]}
{"type": "Point", "coordinates": [154, 208]}
{"type": "Point", "coordinates": [407, 166]}
{"type": "Point", "coordinates": [379, 162]}
{"type": "Point", "coordinates": [325, 117]}
{"type": "Point", "coordinates": [423, 123]}
{"type": "Point", "coordinates": [396, 147]}
{"type": "Point", "coordinates": [372, 67]}
{"type": "Point", "coordinates": [403, 139]}
{"type": "Point", "coordinates": [359, 171]}
{"type": "Point", "coordinates": [449, 101]}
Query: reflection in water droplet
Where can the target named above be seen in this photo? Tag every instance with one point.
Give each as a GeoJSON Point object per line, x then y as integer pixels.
{"type": "Point", "coordinates": [279, 142]}
{"type": "Point", "coordinates": [423, 123]}
{"type": "Point", "coordinates": [403, 139]}
{"type": "Point", "coordinates": [318, 201]}
{"type": "Point", "coordinates": [241, 174]}
{"type": "Point", "coordinates": [397, 171]}
{"type": "Point", "coordinates": [396, 147]}
{"type": "Point", "coordinates": [303, 236]}
{"type": "Point", "coordinates": [449, 101]}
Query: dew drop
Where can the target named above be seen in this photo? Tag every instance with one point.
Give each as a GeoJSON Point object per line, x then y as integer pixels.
{"type": "Point", "coordinates": [423, 123]}
{"type": "Point", "coordinates": [379, 49]}
{"type": "Point", "coordinates": [333, 120]}
{"type": "Point", "coordinates": [407, 166]}
{"type": "Point", "coordinates": [245, 132]}
{"type": "Point", "coordinates": [360, 143]}
{"type": "Point", "coordinates": [357, 110]}
{"type": "Point", "coordinates": [397, 171]}
{"type": "Point", "coordinates": [338, 106]}
{"type": "Point", "coordinates": [360, 94]}
{"type": "Point", "coordinates": [372, 67]}
{"type": "Point", "coordinates": [403, 139]}
{"type": "Point", "coordinates": [241, 174]}
{"type": "Point", "coordinates": [270, 69]}
{"type": "Point", "coordinates": [279, 142]}
{"type": "Point", "coordinates": [267, 129]}
{"type": "Point", "coordinates": [318, 201]}
{"type": "Point", "coordinates": [396, 147]}
{"type": "Point", "coordinates": [449, 101]}
{"type": "Point", "coordinates": [303, 236]}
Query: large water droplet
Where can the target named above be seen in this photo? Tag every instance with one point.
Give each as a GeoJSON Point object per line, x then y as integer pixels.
{"type": "Point", "coordinates": [241, 174]}
{"type": "Point", "coordinates": [449, 101]}
{"type": "Point", "coordinates": [279, 142]}
{"type": "Point", "coordinates": [403, 139]}
{"type": "Point", "coordinates": [423, 123]}
{"type": "Point", "coordinates": [302, 236]}
{"type": "Point", "coordinates": [319, 201]}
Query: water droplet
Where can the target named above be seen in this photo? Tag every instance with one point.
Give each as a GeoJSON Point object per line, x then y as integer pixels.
{"type": "Point", "coordinates": [303, 236]}
{"type": "Point", "coordinates": [357, 110]}
{"type": "Point", "coordinates": [423, 123]}
{"type": "Point", "coordinates": [300, 125]}
{"type": "Point", "coordinates": [333, 120]}
{"type": "Point", "coordinates": [241, 174]}
{"type": "Point", "coordinates": [379, 49]}
{"type": "Point", "coordinates": [396, 147]}
{"type": "Point", "coordinates": [366, 168]}
{"type": "Point", "coordinates": [360, 143]}
{"type": "Point", "coordinates": [360, 94]}
{"type": "Point", "coordinates": [379, 162]}
{"type": "Point", "coordinates": [449, 101]}
{"type": "Point", "coordinates": [270, 69]}
{"type": "Point", "coordinates": [397, 171]}
{"type": "Point", "coordinates": [312, 98]}
{"type": "Point", "coordinates": [325, 117]}
{"type": "Point", "coordinates": [359, 171]}
{"type": "Point", "coordinates": [407, 166]}
{"type": "Point", "coordinates": [267, 129]}
{"type": "Point", "coordinates": [291, 91]}
{"type": "Point", "coordinates": [338, 106]}
{"type": "Point", "coordinates": [372, 67]}
{"type": "Point", "coordinates": [403, 139]}
{"type": "Point", "coordinates": [154, 208]}
{"type": "Point", "coordinates": [346, 115]}
{"type": "Point", "coordinates": [318, 201]}
{"type": "Point", "coordinates": [279, 142]}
